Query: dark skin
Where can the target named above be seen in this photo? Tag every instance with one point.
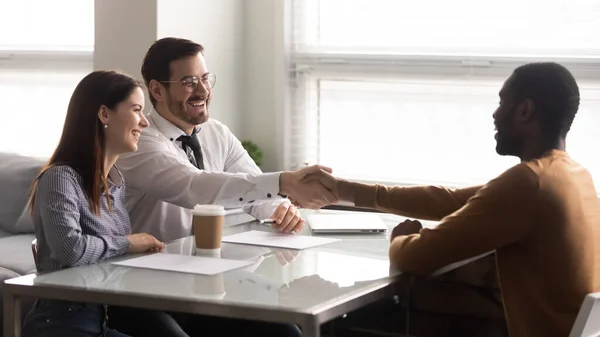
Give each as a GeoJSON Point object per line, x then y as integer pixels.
{"type": "Point", "coordinates": [406, 227]}
{"type": "Point", "coordinates": [519, 128]}
{"type": "Point", "coordinates": [519, 134]}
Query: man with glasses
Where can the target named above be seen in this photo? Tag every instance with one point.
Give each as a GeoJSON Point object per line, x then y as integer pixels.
{"type": "Point", "coordinates": [184, 159]}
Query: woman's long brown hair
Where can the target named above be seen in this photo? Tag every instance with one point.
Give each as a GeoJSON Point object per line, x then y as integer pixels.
{"type": "Point", "coordinates": [82, 145]}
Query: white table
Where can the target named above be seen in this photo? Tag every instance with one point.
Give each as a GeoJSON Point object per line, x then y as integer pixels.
{"type": "Point", "coordinates": [308, 287]}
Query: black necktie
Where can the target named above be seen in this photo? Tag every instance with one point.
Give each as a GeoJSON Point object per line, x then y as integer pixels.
{"type": "Point", "coordinates": [193, 143]}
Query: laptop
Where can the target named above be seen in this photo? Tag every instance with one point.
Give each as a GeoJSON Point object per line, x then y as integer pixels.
{"type": "Point", "coordinates": [346, 223]}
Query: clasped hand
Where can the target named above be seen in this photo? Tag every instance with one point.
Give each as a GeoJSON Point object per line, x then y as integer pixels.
{"type": "Point", "coordinates": [306, 187]}
{"type": "Point", "coordinates": [406, 227]}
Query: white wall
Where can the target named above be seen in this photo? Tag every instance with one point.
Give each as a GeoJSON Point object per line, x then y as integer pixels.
{"type": "Point", "coordinates": [245, 48]}
{"type": "Point", "coordinates": [264, 108]}
{"type": "Point", "coordinates": [124, 30]}
{"type": "Point", "coordinates": [218, 26]}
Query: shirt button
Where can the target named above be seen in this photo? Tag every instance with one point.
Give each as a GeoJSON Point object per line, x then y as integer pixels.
{"type": "Point", "coordinates": [241, 199]}
{"type": "Point", "coordinates": [268, 195]}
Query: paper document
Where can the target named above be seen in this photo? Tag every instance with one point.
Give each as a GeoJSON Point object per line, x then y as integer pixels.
{"type": "Point", "coordinates": [184, 263]}
{"type": "Point", "coordinates": [279, 240]}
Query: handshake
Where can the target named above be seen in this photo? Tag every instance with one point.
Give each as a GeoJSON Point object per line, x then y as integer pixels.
{"type": "Point", "coordinates": [312, 187]}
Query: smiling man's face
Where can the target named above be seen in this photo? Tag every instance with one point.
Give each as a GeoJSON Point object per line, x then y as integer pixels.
{"type": "Point", "coordinates": [507, 140]}
{"type": "Point", "coordinates": [188, 95]}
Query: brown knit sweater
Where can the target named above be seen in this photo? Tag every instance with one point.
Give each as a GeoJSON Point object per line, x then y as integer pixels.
{"type": "Point", "coordinates": [543, 219]}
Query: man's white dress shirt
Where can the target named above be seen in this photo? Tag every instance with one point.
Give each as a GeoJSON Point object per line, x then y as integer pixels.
{"type": "Point", "coordinates": [163, 186]}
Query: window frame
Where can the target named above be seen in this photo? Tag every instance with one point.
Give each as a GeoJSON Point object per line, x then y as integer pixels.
{"type": "Point", "coordinates": [309, 65]}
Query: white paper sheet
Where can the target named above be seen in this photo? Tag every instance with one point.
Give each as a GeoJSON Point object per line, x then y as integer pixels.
{"type": "Point", "coordinates": [279, 240]}
{"type": "Point", "coordinates": [184, 263]}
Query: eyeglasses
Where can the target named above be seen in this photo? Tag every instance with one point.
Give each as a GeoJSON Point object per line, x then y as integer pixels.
{"type": "Point", "coordinates": [190, 83]}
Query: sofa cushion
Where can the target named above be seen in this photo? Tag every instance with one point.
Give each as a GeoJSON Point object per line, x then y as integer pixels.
{"type": "Point", "coordinates": [4, 233]}
{"type": "Point", "coordinates": [6, 274]}
{"type": "Point", "coordinates": [16, 174]}
{"type": "Point", "coordinates": [24, 224]}
{"type": "Point", "coordinates": [16, 255]}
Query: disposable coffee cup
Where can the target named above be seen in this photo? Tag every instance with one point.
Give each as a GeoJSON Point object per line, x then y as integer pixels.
{"type": "Point", "coordinates": [211, 287]}
{"type": "Point", "coordinates": [212, 252]}
{"type": "Point", "coordinates": [207, 222]}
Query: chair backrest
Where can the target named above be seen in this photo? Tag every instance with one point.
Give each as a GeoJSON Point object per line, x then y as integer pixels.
{"type": "Point", "coordinates": [587, 323]}
{"type": "Point", "coordinates": [34, 249]}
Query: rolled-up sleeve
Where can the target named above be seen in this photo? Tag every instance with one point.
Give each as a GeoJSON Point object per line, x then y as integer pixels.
{"type": "Point", "coordinates": [57, 201]}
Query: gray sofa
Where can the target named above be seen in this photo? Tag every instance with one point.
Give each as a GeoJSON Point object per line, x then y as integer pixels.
{"type": "Point", "coordinates": [16, 228]}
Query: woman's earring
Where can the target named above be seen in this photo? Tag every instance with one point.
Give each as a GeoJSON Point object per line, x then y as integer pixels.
{"type": "Point", "coordinates": [106, 126]}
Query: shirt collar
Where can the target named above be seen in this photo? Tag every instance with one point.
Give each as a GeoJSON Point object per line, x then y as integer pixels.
{"type": "Point", "coordinates": [167, 128]}
{"type": "Point", "coordinates": [116, 178]}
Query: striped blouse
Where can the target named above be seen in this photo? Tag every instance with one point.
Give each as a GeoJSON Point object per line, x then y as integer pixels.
{"type": "Point", "coordinates": [68, 233]}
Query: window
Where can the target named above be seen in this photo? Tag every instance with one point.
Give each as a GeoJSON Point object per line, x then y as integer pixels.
{"type": "Point", "coordinates": [43, 55]}
{"type": "Point", "coordinates": [403, 91]}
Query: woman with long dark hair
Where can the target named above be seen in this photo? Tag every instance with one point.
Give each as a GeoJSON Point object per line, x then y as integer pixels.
{"type": "Point", "coordinates": [77, 200]}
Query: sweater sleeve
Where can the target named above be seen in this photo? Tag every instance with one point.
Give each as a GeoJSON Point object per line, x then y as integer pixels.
{"type": "Point", "coordinates": [421, 202]}
{"type": "Point", "coordinates": [499, 214]}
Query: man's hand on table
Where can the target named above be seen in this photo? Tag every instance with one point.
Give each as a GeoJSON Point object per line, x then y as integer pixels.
{"type": "Point", "coordinates": [407, 227]}
{"type": "Point", "coordinates": [287, 218]}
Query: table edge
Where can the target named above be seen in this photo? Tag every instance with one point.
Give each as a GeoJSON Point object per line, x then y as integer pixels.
{"type": "Point", "coordinates": [192, 306]}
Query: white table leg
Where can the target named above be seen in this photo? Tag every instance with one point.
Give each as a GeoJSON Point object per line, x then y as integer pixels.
{"type": "Point", "coordinates": [12, 315]}
{"type": "Point", "coordinates": [311, 328]}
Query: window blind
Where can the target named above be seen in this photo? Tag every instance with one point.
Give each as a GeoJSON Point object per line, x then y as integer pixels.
{"type": "Point", "coordinates": [45, 50]}
{"type": "Point", "coordinates": [403, 92]}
